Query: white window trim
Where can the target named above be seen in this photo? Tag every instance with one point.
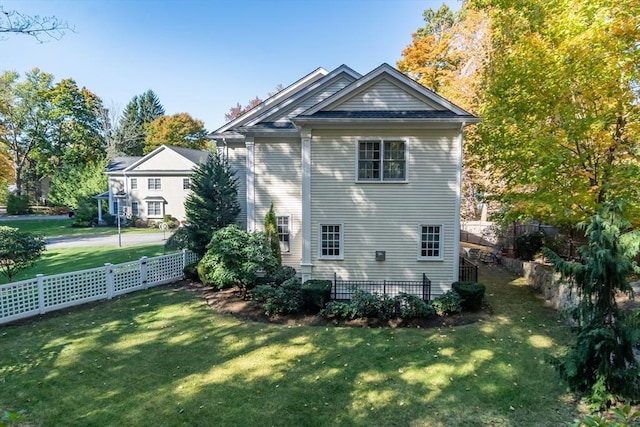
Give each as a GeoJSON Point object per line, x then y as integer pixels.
{"type": "Point", "coordinates": [150, 215]}
{"type": "Point", "coordinates": [382, 141]}
{"type": "Point", "coordinates": [430, 258]}
{"type": "Point", "coordinates": [137, 208]}
{"type": "Point", "coordinates": [133, 183]}
{"type": "Point", "coordinates": [341, 242]}
{"type": "Point", "coordinates": [188, 182]}
{"type": "Point", "coordinates": [290, 232]}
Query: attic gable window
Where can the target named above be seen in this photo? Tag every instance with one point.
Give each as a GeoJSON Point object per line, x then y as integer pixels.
{"type": "Point", "coordinates": [382, 160]}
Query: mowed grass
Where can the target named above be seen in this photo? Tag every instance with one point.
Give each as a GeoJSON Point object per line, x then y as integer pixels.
{"type": "Point", "coordinates": [64, 260]}
{"type": "Point", "coordinates": [162, 357]}
{"type": "Point", "coordinates": [63, 227]}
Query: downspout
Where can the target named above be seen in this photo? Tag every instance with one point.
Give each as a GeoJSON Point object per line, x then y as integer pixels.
{"type": "Point", "coordinates": [456, 218]}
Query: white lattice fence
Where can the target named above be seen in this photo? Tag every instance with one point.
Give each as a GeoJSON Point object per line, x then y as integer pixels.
{"type": "Point", "coordinates": [28, 298]}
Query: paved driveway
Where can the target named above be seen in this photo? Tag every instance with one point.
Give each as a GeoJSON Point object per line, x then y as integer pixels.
{"type": "Point", "coordinates": [127, 239]}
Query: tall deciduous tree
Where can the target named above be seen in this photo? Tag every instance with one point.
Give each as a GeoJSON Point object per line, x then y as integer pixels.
{"type": "Point", "coordinates": [140, 111]}
{"type": "Point", "coordinates": [602, 363]}
{"type": "Point", "coordinates": [180, 130]}
{"type": "Point", "coordinates": [74, 182]}
{"type": "Point", "coordinates": [561, 111]}
{"type": "Point", "coordinates": [18, 250]}
{"type": "Point", "coordinates": [448, 55]}
{"type": "Point", "coordinates": [213, 201]}
{"type": "Point", "coordinates": [24, 117]}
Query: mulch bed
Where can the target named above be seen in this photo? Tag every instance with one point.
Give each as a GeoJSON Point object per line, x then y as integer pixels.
{"type": "Point", "coordinates": [231, 302]}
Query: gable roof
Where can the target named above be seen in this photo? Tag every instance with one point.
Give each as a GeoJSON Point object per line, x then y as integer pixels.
{"type": "Point", "coordinates": [290, 90]}
{"type": "Point", "coordinates": [121, 163]}
{"type": "Point", "coordinates": [126, 164]}
{"type": "Point", "coordinates": [388, 73]}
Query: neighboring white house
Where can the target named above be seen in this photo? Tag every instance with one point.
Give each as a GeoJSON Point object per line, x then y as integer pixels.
{"type": "Point", "coordinates": [152, 186]}
{"type": "Point", "coordinates": [363, 172]}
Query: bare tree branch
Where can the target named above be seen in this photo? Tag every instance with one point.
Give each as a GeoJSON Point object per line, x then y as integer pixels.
{"type": "Point", "coordinates": [42, 28]}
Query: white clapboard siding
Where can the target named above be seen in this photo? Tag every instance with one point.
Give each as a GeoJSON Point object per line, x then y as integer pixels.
{"type": "Point", "coordinates": [278, 181]}
{"type": "Point", "coordinates": [237, 156]}
{"type": "Point", "coordinates": [383, 216]}
{"type": "Point", "coordinates": [383, 95]}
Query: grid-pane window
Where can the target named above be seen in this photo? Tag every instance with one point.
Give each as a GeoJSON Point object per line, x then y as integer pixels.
{"type": "Point", "coordinates": [430, 242]}
{"type": "Point", "coordinates": [135, 211]}
{"type": "Point", "coordinates": [154, 209]}
{"type": "Point", "coordinates": [382, 160]}
{"type": "Point", "coordinates": [369, 160]}
{"type": "Point", "coordinates": [186, 184]}
{"type": "Point", "coordinates": [114, 207]}
{"type": "Point", "coordinates": [284, 234]}
{"type": "Point", "coordinates": [154, 184]}
{"type": "Point", "coordinates": [134, 183]}
{"type": "Point", "coordinates": [330, 240]}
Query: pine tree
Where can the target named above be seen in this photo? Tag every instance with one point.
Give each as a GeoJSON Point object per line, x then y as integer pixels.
{"type": "Point", "coordinates": [140, 111]}
{"type": "Point", "coordinates": [601, 363]}
{"type": "Point", "coordinates": [213, 201]}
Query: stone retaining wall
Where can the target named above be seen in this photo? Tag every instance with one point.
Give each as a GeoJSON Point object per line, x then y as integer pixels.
{"type": "Point", "coordinates": [542, 278]}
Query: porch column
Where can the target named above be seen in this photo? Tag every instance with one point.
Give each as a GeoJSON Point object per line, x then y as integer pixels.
{"type": "Point", "coordinates": [306, 265]}
{"type": "Point", "coordinates": [99, 211]}
{"type": "Point", "coordinates": [251, 192]}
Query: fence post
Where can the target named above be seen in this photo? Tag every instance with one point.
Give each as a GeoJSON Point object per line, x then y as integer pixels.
{"type": "Point", "coordinates": [108, 268]}
{"type": "Point", "coordinates": [40, 293]}
{"type": "Point", "coordinates": [335, 285]}
{"type": "Point", "coordinates": [384, 287]}
{"type": "Point", "coordinates": [184, 259]}
{"type": "Point", "coordinates": [143, 272]}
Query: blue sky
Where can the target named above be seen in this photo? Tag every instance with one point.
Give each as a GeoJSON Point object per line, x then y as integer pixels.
{"type": "Point", "coordinates": [202, 57]}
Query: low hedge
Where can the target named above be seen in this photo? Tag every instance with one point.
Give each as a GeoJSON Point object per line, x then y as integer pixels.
{"type": "Point", "coordinates": [315, 294]}
{"type": "Point", "coordinates": [471, 294]}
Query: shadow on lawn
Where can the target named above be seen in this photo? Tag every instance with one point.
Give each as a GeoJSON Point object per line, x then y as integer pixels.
{"type": "Point", "coordinates": [162, 358]}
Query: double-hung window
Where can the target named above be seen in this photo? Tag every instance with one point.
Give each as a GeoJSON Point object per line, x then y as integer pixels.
{"type": "Point", "coordinates": [135, 210]}
{"type": "Point", "coordinates": [186, 184]}
{"type": "Point", "coordinates": [154, 209]}
{"type": "Point", "coordinates": [284, 233]}
{"type": "Point", "coordinates": [382, 160]}
{"type": "Point", "coordinates": [430, 242]}
{"type": "Point", "coordinates": [154, 184]}
{"type": "Point", "coordinates": [134, 183]}
{"type": "Point", "coordinates": [330, 241]}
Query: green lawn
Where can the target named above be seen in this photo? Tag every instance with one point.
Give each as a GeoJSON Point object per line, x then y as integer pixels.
{"type": "Point", "coordinates": [64, 260]}
{"type": "Point", "coordinates": [62, 227]}
{"type": "Point", "coordinates": [162, 357]}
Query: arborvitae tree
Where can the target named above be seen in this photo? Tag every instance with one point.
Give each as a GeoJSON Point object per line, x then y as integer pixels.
{"type": "Point", "coordinates": [213, 201]}
{"type": "Point", "coordinates": [601, 363]}
{"type": "Point", "coordinates": [271, 234]}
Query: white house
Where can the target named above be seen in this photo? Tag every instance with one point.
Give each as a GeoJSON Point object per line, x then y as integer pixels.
{"type": "Point", "coordinates": [152, 186]}
{"type": "Point", "coordinates": [363, 171]}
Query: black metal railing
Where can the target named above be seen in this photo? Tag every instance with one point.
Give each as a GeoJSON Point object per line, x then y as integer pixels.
{"type": "Point", "coordinates": [467, 271]}
{"type": "Point", "coordinates": [343, 289]}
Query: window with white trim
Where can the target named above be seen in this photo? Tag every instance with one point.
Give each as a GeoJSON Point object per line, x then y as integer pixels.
{"type": "Point", "coordinates": [154, 184]}
{"type": "Point", "coordinates": [430, 243]}
{"type": "Point", "coordinates": [154, 209]}
{"type": "Point", "coordinates": [186, 184]}
{"type": "Point", "coordinates": [330, 241]}
{"type": "Point", "coordinates": [134, 183]}
{"type": "Point", "coordinates": [135, 210]}
{"type": "Point", "coordinates": [382, 160]}
{"type": "Point", "coordinates": [284, 233]}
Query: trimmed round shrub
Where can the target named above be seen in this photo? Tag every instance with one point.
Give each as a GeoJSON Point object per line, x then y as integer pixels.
{"type": "Point", "coordinates": [315, 294]}
{"type": "Point", "coordinates": [471, 294]}
{"type": "Point", "coordinates": [283, 299]}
